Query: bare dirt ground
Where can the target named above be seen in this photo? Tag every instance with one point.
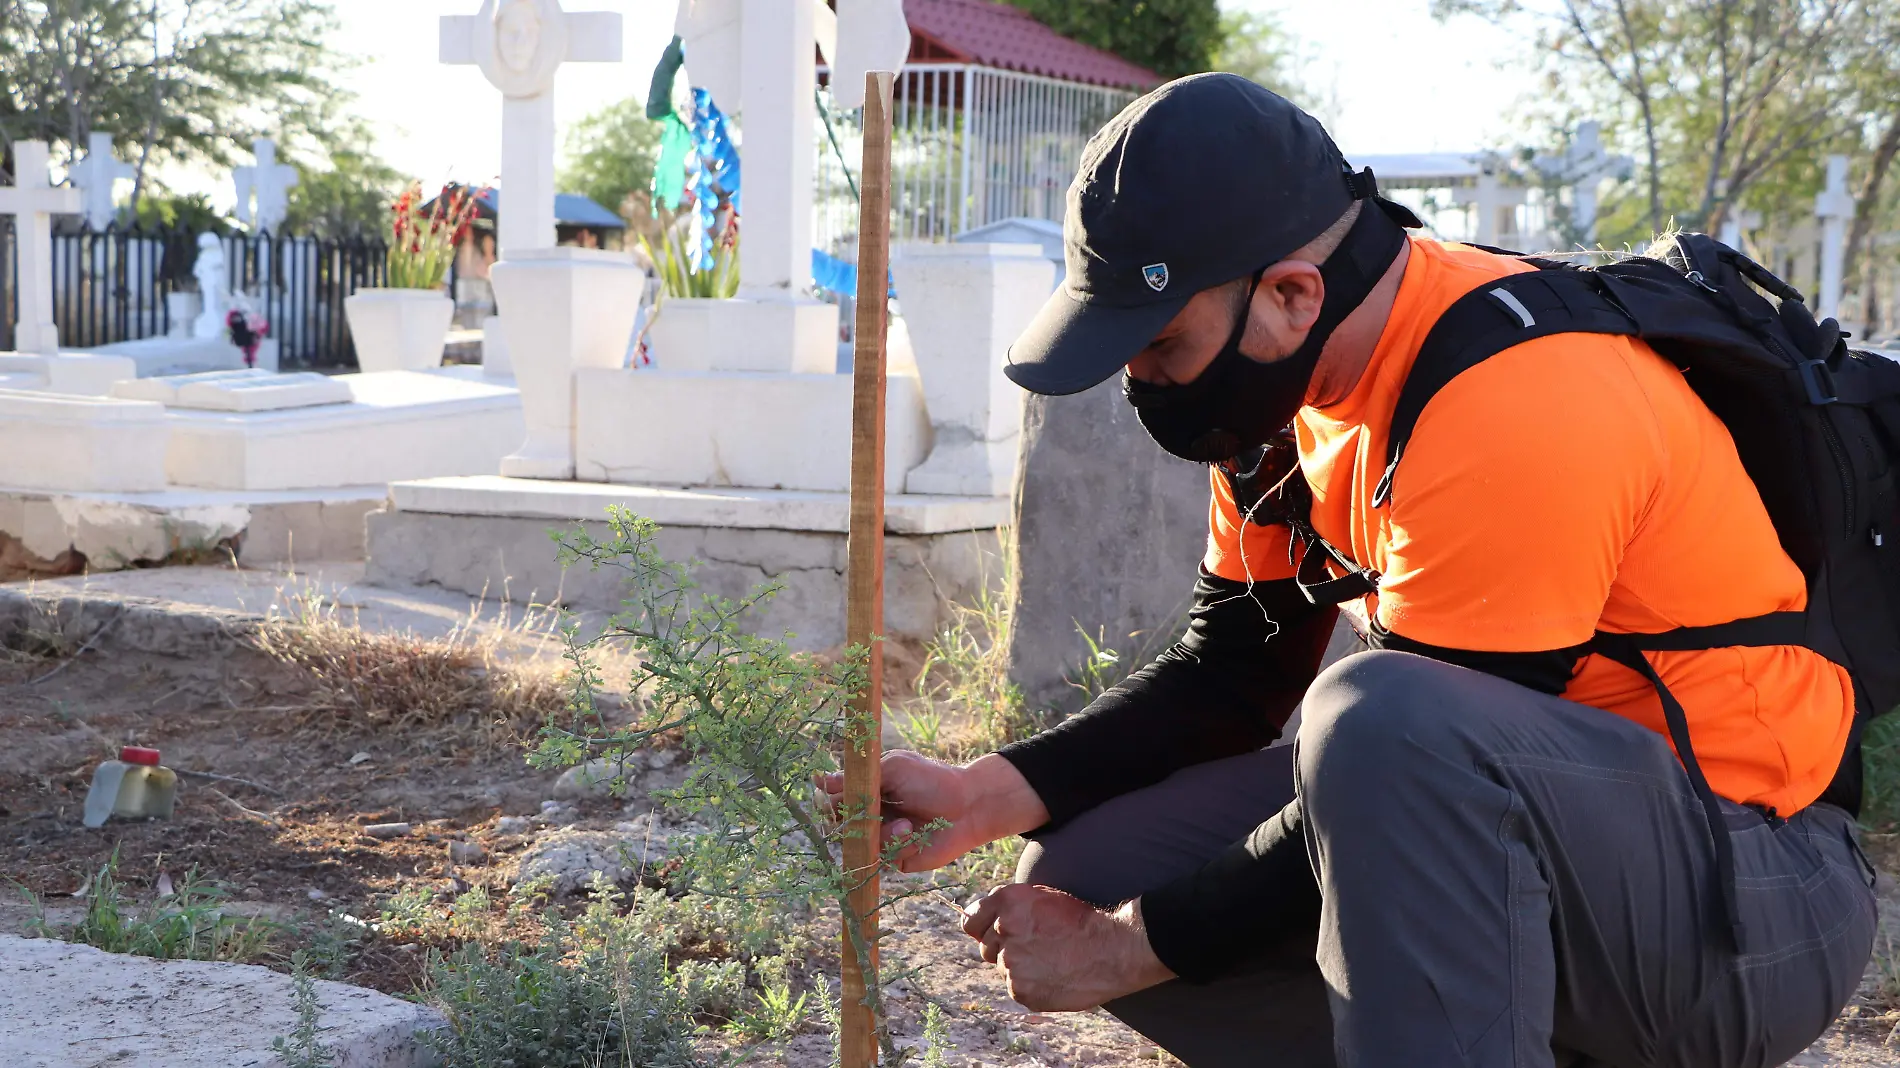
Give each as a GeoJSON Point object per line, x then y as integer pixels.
{"type": "Point", "coordinates": [289, 844]}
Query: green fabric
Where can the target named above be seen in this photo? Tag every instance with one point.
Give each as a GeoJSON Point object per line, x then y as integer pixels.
{"type": "Point", "coordinates": [660, 91]}
{"type": "Point", "coordinates": [669, 173]}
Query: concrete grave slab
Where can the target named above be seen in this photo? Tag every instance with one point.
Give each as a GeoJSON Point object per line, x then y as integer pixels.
{"type": "Point", "coordinates": [68, 442]}
{"type": "Point", "coordinates": [746, 509]}
{"type": "Point", "coordinates": [85, 374]}
{"type": "Point", "coordinates": [163, 389]}
{"type": "Point", "coordinates": [68, 1006]}
{"type": "Point", "coordinates": [490, 535]}
{"type": "Point", "coordinates": [172, 355]}
{"type": "Point", "coordinates": [397, 425]}
{"type": "Point", "coordinates": [248, 390]}
{"type": "Point", "coordinates": [769, 431]}
{"type": "Point", "coordinates": [263, 391]}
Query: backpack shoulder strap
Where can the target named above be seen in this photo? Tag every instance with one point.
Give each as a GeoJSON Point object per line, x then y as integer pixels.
{"type": "Point", "coordinates": [1501, 313]}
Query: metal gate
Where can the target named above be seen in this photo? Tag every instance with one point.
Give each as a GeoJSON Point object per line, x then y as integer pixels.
{"type": "Point", "coordinates": [111, 285]}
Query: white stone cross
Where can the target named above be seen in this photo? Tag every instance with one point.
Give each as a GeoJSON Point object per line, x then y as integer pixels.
{"type": "Point", "coordinates": [33, 200]}
{"type": "Point", "coordinates": [270, 182]}
{"type": "Point", "coordinates": [519, 45]}
{"type": "Point", "coordinates": [1737, 222]}
{"type": "Point", "coordinates": [95, 175]}
{"type": "Point", "coordinates": [1493, 200]}
{"type": "Point", "coordinates": [1833, 206]}
{"type": "Point", "coordinates": [1582, 167]}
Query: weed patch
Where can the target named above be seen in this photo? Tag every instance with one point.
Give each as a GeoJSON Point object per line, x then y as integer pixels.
{"type": "Point", "coordinates": [598, 990]}
{"type": "Point", "coordinates": [190, 924]}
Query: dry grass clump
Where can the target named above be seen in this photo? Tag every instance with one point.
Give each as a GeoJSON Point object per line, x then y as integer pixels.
{"type": "Point", "coordinates": [401, 679]}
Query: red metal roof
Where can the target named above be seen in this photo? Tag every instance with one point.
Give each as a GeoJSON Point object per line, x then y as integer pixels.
{"type": "Point", "coordinates": [997, 35]}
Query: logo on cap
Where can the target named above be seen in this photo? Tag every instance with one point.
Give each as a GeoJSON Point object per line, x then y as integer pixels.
{"type": "Point", "coordinates": [1156, 275]}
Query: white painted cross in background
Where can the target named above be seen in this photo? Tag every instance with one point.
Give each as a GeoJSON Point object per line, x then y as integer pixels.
{"type": "Point", "coordinates": [519, 45]}
{"type": "Point", "coordinates": [270, 181]}
{"type": "Point", "coordinates": [1737, 222]}
{"type": "Point", "coordinates": [33, 200]}
{"type": "Point", "coordinates": [1496, 203]}
{"type": "Point", "coordinates": [1833, 206]}
{"type": "Point", "coordinates": [95, 176]}
{"type": "Point", "coordinates": [754, 56]}
{"type": "Point", "coordinates": [1582, 167]}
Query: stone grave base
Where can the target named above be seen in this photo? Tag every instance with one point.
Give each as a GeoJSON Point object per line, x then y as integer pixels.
{"type": "Point", "coordinates": [86, 374]}
{"type": "Point", "coordinates": [399, 424]}
{"type": "Point", "coordinates": [489, 535]}
{"type": "Point", "coordinates": [184, 355]}
{"type": "Point", "coordinates": [63, 1004]}
{"type": "Point", "coordinates": [61, 534]}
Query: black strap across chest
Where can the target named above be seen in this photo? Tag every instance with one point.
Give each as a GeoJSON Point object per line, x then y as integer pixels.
{"type": "Point", "coordinates": [1484, 322]}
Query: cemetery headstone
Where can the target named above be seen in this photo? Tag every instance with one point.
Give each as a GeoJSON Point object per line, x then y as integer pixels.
{"type": "Point", "coordinates": [519, 45]}
{"type": "Point", "coordinates": [1583, 166]}
{"type": "Point", "coordinates": [1494, 203]}
{"type": "Point", "coordinates": [1109, 532]}
{"type": "Point", "coordinates": [268, 182]}
{"type": "Point", "coordinates": [1737, 223]}
{"type": "Point", "coordinates": [1834, 205]}
{"type": "Point", "coordinates": [33, 200]}
{"type": "Point", "coordinates": [95, 176]}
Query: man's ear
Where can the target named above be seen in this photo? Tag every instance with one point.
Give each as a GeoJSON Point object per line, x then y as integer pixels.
{"type": "Point", "coordinates": [1293, 291]}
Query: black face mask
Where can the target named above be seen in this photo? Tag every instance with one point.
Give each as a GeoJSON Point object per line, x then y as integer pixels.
{"type": "Point", "coordinates": [1238, 403]}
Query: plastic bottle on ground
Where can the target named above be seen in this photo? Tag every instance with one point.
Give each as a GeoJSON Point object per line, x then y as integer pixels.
{"type": "Point", "coordinates": [132, 787]}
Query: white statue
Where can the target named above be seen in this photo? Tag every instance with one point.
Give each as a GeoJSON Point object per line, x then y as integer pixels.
{"type": "Point", "coordinates": [214, 288]}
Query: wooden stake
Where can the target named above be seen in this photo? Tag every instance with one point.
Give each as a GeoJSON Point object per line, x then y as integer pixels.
{"type": "Point", "coordinates": [864, 612]}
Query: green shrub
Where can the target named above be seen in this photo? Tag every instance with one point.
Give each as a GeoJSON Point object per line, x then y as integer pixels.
{"type": "Point", "coordinates": [593, 992]}
{"type": "Point", "coordinates": [759, 721]}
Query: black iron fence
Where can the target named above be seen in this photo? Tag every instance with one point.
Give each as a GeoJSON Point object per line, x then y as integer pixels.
{"type": "Point", "coordinates": [115, 285]}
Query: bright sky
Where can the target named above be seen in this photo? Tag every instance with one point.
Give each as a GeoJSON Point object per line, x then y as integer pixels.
{"type": "Point", "coordinates": [1404, 82]}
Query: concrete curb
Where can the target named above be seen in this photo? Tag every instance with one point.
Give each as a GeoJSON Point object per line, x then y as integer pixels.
{"type": "Point", "coordinates": [64, 1005]}
{"type": "Point", "coordinates": [123, 624]}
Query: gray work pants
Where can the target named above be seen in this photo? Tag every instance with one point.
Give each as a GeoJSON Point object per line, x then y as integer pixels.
{"type": "Point", "coordinates": [1509, 879]}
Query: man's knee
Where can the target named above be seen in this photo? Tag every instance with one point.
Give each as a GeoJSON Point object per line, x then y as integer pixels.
{"type": "Point", "coordinates": [1074, 864]}
{"type": "Point", "coordinates": [1372, 716]}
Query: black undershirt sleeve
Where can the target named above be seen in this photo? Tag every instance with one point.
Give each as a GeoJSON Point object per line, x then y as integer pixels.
{"type": "Point", "coordinates": [1227, 687]}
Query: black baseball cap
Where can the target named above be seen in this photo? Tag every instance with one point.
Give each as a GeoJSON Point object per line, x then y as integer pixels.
{"type": "Point", "coordinates": [1207, 179]}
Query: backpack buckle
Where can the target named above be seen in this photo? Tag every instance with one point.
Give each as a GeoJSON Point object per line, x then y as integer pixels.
{"type": "Point", "coordinates": [1819, 382]}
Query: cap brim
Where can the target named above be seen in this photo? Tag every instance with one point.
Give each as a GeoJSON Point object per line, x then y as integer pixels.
{"type": "Point", "coordinates": [1072, 345]}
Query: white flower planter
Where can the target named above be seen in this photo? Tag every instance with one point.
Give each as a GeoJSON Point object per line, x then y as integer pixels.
{"type": "Point", "coordinates": [399, 329]}
{"type": "Point", "coordinates": [681, 337]}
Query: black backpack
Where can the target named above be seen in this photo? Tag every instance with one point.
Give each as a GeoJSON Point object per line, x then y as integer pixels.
{"type": "Point", "coordinates": [1817, 426]}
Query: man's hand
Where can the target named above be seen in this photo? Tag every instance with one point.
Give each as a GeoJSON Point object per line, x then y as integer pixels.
{"type": "Point", "coordinates": [983, 801]}
{"type": "Point", "coordinates": [1061, 954]}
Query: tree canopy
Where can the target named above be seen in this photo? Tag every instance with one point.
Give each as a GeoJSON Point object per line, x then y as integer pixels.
{"type": "Point", "coordinates": [1255, 46]}
{"type": "Point", "coordinates": [1170, 37]}
{"type": "Point", "coordinates": [349, 198]}
{"type": "Point", "coordinates": [174, 81]}
{"type": "Point", "coordinates": [1723, 102]}
{"type": "Point", "coordinates": [610, 156]}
